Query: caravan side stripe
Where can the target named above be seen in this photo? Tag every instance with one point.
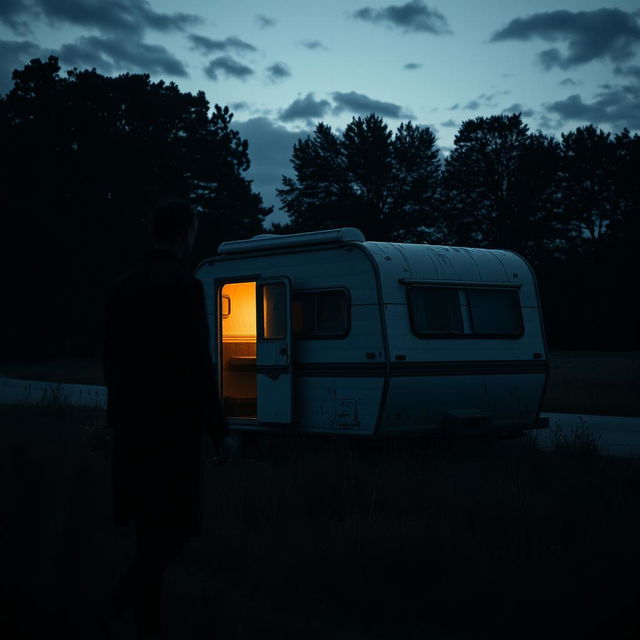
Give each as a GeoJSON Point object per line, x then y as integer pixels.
{"type": "Point", "coordinates": [418, 369]}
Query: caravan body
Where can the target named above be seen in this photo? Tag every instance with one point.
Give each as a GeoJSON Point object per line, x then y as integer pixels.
{"type": "Point", "coordinates": [325, 332]}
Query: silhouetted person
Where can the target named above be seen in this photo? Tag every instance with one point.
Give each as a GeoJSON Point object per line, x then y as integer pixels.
{"type": "Point", "coordinates": [162, 398]}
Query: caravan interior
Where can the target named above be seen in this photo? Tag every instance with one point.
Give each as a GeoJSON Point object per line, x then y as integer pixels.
{"type": "Point", "coordinates": [239, 389]}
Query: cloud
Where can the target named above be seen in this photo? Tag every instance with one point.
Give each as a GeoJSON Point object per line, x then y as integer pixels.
{"type": "Point", "coordinates": [617, 106]}
{"type": "Point", "coordinates": [132, 16]}
{"type": "Point", "coordinates": [14, 54]}
{"type": "Point", "coordinates": [232, 43]}
{"type": "Point", "coordinates": [278, 71]}
{"type": "Point", "coordinates": [590, 35]}
{"type": "Point", "coordinates": [265, 22]}
{"type": "Point", "coordinates": [363, 105]}
{"type": "Point", "coordinates": [305, 109]}
{"type": "Point", "coordinates": [516, 107]}
{"type": "Point", "coordinates": [410, 66]}
{"type": "Point", "coordinates": [78, 54]}
{"type": "Point", "coordinates": [313, 45]}
{"type": "Point", "coordinates": [632, 71]}
{"type": "Point", "coordinates": [239, 106]}
{"type": "Point", "coordinates": [449, 123]}
{"type": "Point", "coordinates": [123, 54]}
{"type": "Point", "coordinates": [414, 16]}
{"type": "Point", "coordinates": [484, 100]}
{"type": "Point", "coordinates": [270, 148]}
{"type": "Point", "coordinates": [14, 14]}
{"type": "Point", "coordinates": [568, 82]}
{"type": "Point", "coordinates": [229, 66]}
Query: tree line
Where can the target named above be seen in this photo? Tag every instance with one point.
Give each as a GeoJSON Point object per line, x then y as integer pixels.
{"type": "Point", "coordinates": [85, 156]}
{"type": "Point", "coordinates": [571, 206]}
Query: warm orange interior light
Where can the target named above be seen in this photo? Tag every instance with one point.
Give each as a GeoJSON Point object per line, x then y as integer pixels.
{"type": "Point", "coordinates": [240, 322]}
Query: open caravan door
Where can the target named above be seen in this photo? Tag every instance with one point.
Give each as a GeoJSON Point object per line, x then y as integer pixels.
{"type": "Point", "coordinates": [273, 351]}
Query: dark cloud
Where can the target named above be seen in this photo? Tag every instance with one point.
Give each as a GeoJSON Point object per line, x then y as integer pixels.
{"type": "Point", "coordinates": [568, 82]}
{"type": "Point", "coordinates": [363, 105]}
{"type": "Point", "coordinates": [264, 21]}
{"type": "Point", "coordinates": [516, 107]}
{"type": "Point", "coordinates": [632, 71]}
{"type": "Point", "coordinates": [270, 147]}
{"type": "Point", "coordinates": [454, 107]}
{"type": "Point", "coordinates": [306, 108]}
{"type": "Point", "coordinates": [449, 123]}
{"type": "Point", "coordinates": [472, 105]}
{"type": "Point", "coordinates": [229, 66]}
{"type": "Point", "coordinates": [78, 54]}
{"type": "Point", "coordinates": [14, 13]}
{"type": "Point", "coordinates": [313, 45]}
{"type": "Point", "coordinates": [123, 54]}
{"type": "Point", "coordinates": [239, 106]}
{"type": "Point", "coordinates": [278, 71]}
{"type": "Point", "coordinates": [232, 43]}
{"type": "Point", "coordinates": [14, 54]}
{"type": "Point", "coordinates": [410, 66]}
{"type": "Point", "coordinates": [590, 35]}
{"type": "Point", "coordinates": [617, 106]}
{"type": "Point", "coordinates": [116, 17]}
{"type": "Point", "coordinates": [413, 16]}
{"type": "Point", "coordinates": [132, 16]}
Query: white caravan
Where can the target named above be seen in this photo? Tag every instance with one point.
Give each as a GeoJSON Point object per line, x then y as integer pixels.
{"type": "Point", "coordinates": [324, 332]}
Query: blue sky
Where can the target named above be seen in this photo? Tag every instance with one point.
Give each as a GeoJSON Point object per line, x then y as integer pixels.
{"type": "Point", "coordinates": [284, 65]}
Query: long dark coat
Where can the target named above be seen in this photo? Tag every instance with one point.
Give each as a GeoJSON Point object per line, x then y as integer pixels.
{"type": "Point", "coordinates": [162, 394]}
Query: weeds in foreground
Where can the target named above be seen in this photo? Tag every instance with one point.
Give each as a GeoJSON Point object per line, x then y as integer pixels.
{"type": "Point", "coordinates": [579, 441]}
{"type": "Point", "coordinates": [470, 538]}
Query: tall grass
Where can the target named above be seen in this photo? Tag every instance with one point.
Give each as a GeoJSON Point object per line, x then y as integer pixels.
{"type": "Point", "coordinates": [331, 539]}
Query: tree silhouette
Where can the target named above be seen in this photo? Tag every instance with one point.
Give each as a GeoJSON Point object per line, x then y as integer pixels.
{"type": "Point", "coordinates": [586, 187]}
{"type": "Point", "coordinates": [497, 186]}
{"type": "Point", "coordinates": [84, 158]}
{"type": "Point", "coordinates": [385, 184]}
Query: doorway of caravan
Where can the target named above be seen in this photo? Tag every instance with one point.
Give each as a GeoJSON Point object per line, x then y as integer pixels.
{"type": "Point", "coordinates": [238, 349]}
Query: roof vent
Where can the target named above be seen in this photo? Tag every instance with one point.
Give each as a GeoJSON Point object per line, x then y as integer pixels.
{"type": "Point", "coordinates": [267, 241]}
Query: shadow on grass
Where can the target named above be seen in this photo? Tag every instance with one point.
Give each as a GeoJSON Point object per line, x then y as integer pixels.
{"type": "Point", "coordinates": [333, 539]}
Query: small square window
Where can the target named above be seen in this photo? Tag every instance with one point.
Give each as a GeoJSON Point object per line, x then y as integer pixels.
{"type": "Point", "coordinates": [435, 311]}
{"type": "Point", "coordinates": [320, 314]}
{"type": "Point", "coordinates": [495, 312]}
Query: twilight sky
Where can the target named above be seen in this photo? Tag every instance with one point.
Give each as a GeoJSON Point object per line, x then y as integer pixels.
{"type": "Point", "coordinates": [283, 65]}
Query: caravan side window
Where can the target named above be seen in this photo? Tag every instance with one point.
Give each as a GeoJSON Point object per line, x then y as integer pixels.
{"type": "Point", "coordinates": [495, 312]}
{"type": "Point", "coordinates": [321, 314]}
{"type": "Point", "coordinates": [437, 312]}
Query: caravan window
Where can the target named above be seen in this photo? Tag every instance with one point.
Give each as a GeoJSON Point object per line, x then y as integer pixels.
{"type": "Point", "coordinates": [464, 312]}
{"type": "Point", "coordinates": [321, 314]}
{"type": "Point", "coordinates": [495, 312]}
{"type": "Point", "coordinates": [435, 311]}
{"type": "Point", "coordinates": [274, 310]}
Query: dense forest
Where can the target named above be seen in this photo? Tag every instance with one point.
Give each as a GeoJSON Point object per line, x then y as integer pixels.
{"type": "Point", "coordinates": [85, 156]}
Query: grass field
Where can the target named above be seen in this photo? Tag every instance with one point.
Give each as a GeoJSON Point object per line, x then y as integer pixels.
{"type": "Point", "coordinates": [482, 539]}
{"type": "Point", "coordinates": [593, 382]}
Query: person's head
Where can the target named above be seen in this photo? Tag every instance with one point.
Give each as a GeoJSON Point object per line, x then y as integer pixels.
{"type": "Point", "coordinates": [173, 225]}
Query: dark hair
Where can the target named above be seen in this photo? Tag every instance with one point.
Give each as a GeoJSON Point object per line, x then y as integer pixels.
{"type": "Point", "coordinates": [169, 220]}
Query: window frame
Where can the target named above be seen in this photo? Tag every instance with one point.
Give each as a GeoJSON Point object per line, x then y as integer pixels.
{"type": "Point", "coordinates": [433, 334]}
{"type": "Point", "coordinates": [332, 336]}
{"type": "Point", "coordinates": [468, 333]}
{"type": "Point", "coordinates": [512, 336]}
